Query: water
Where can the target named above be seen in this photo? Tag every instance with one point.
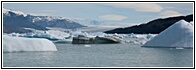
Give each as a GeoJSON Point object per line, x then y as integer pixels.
{"type": "Point", "coordinates": [102, 55]}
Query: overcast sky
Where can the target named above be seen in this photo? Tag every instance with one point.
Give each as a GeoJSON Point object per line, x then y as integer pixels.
{"type": "Point", "coordinates": [118, 14]}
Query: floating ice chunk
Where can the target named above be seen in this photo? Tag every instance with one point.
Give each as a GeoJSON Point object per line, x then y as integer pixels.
{"type": "Point", "coordinates": [180, 48]}
{"type": "Point", "coordinates": [150, 36]}
{"type": "Point", "coordinates": [191, 22]}
{"type": "Point", "coordinates": [87, 45]}
{"type": "Point", "coordinates": [17, 44]}
{"type": "Point", "coordinates": [138, 41]}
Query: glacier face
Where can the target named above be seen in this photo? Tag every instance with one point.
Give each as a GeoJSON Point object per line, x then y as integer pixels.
{"type": "Point", "coordinates": [179, 34]}
{"type": "Point", "coordinates": [19, 44]}
{"type": "Point", "coordinates": [49, 34]}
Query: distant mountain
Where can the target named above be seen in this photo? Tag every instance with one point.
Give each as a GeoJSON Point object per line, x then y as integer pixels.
{"type": "Point", "coordinates": [16, 21]}
{"type": "Point", "coordinates": [154, 27]}
{"type": "Point", "coordinates": [88, 22]}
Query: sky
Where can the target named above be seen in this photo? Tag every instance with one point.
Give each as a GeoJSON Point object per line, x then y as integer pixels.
{"type": "Point", "coordinates": [113, 14]}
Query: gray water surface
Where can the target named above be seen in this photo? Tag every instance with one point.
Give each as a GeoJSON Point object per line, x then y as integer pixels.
{"type": "Point", "coordinates": [101, 55]}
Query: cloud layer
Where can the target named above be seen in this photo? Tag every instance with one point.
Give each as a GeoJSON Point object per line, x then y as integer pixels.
{"type": "Point", "coordinates": [141, 7]}
{"type": "Point", "coordinates": [112, 17]}
{"type": "Point", "coordinates": [170, 13]}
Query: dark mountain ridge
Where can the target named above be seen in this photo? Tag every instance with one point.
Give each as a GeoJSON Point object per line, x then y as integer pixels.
{"type": "Point", "coordinates": [153, 27]}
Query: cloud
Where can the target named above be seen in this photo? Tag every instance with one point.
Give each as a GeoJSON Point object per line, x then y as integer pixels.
{"type": "Point", "coordinates": [170, 7]}
{"type": "Point", "coordinates": [141, 7]}
{"type": "Point", "coordinates": [42, 12]}
{"type": "Point", "coordinates": [170, 13]}
{"type": "Point", "coordinates": [112, 17]}
{"type": "Point", "coordinates": [127, 23]}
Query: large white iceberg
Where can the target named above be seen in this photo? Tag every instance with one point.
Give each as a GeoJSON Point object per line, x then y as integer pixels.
{"type": "Point", "coordinates": [18, 44]}
{"type": "Point", "coordinates": [180, 34]}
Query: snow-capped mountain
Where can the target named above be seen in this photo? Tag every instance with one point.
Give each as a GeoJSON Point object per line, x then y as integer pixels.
{"type": "Point", "coordinates": [16, 21]}
{"type": "Point", "coordinates": [57, 22]}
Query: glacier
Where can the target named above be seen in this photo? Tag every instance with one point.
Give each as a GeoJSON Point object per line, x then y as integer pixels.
{"type": "Point", "coordinates": [59, 36]}
{"type": "Point", "coordinates": [179, 35]}
{"type": "Point", "coordinates": [49, 34]}
{"type": "Point", "coordinates": [19, 44]}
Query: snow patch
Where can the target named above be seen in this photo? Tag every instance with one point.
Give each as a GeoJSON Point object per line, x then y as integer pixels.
{"type": "Point", "coordinates": [6, 11]}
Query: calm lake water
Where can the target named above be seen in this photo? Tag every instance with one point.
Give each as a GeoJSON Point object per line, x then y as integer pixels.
{"type": "Point", "coordinates": [101, 55]}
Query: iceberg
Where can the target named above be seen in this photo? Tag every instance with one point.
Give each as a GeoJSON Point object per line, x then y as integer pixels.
{"type": "Point", "coordinates": [19, 44]}
{"type": "Point", "coordinates": [178, 35]}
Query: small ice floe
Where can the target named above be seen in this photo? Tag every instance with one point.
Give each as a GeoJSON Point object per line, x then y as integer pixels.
{"type": "Point", "coordinates": [87, 45]}
{"type": "Point", "coordinates": [179, 48]}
